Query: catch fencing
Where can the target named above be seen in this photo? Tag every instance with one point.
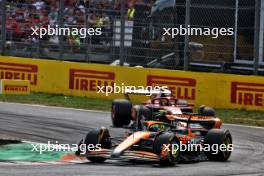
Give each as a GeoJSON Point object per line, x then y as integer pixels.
{"type": "Point", "coordinates": [133, 33]}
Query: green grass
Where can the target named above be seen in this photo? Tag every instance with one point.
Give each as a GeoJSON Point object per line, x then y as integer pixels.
{"type": "Point", "coordinates": [242, 116]}
{"type": "Point", "coordinates": [59, 100]}
{"type": "Point", "coordinates": [245, 117]}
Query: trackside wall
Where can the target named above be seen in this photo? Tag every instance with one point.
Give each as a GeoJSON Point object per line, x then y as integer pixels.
{"type": "Point", "coordinates": [82, 79]}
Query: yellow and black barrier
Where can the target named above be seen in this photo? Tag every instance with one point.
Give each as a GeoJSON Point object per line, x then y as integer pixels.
{"type": "Point", "coordinates": [81, 79]}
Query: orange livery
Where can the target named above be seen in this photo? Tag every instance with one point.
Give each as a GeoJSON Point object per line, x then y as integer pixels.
{"type": "Point", "coordinates": [161, 137]}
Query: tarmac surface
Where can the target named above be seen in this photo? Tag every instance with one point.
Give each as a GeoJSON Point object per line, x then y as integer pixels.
{"type": "Point", "coordinates": [42, 124]}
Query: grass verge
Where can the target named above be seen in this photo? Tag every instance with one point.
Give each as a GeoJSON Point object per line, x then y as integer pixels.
{"type": "Point", "coordinates": [59, 100]}
{"type": "Point", "coordinates": [242, 116]}
{"type": "Point", "coordinates": [255, 118]}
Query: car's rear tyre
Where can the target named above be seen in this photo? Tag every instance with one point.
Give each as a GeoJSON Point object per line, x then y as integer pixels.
{"type": "Point", "coordinates": [206, 111]}
{"type": "Point", "coordinates": [121, 112]}
{"type": "Point", "coordinates": [218, 137]}
{"type": "Point", "coordinates": [167, 157]}
{"type": "Point", "coordinates": [96, 137]}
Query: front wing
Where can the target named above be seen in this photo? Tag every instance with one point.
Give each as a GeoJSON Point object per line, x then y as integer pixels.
{"type": "Point", "coordinates": [126, 155]}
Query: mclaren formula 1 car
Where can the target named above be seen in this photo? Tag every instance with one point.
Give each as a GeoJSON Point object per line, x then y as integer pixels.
{"type": "Point", "coordinates": [159, 141]}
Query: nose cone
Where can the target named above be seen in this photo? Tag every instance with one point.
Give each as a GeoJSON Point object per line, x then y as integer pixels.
{"type": "Point", "coordinates": [115, 154]}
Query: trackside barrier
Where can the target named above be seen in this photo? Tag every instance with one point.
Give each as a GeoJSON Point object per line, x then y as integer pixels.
{"type": "Point", "coordinates": [20, 87]}
{"type": "Point", "coordinates": [82, 79]}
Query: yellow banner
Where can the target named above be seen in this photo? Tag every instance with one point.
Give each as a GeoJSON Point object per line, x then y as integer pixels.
{"type": "Point", "coordinates": [21, 87]}
{"type": "Point", "coordinates": [82, 79]}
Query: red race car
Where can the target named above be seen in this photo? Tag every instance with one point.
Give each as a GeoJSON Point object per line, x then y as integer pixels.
{"type": "Point", "coordinates": [123, 112]}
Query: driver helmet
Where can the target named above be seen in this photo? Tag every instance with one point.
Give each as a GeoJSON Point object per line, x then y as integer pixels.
{"type": "Point", "coordinates": [164, 102]}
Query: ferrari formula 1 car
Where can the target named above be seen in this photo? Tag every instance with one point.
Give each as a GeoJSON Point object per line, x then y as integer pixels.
{"type": "Point", "coordinates": [122, 111]}
{"type": "Point", "coordinates": [159, 141]}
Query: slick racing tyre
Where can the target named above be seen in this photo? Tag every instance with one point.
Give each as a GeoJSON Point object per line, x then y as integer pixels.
{"type": "Point", "coordinates": [169, 155]}
{"type": "Point", "coordinates": [96, 137]}
{"type": "Point", "coordinates": [218, 137]}
{"type": "Point", "coordinates": [121, 112]}
{"type": "Point", "coordinates": [206, 111]}
{"type": "Point", "coordinates": [181, 102]}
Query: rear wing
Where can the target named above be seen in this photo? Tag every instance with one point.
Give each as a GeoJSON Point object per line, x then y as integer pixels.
{"type": "Point", "coordinates": [146, 92]}
{"type": "Point", "coordinates": [206, 121]}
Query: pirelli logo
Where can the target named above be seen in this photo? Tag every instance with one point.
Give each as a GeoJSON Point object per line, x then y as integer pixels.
{"type": "Point", "coordinates": [89, 80]}
{"type": "Point", "coordinates": [181, 88]}
{"type": "Point", "coordinates": [16, 88]}
{"type": "Point", "coordinates": [247, 93]}
{"type": "Point", "coordinates": [19, 72]}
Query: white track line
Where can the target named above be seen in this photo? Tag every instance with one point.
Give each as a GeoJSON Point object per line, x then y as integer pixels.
{"type": "Point", "coordinates": [244, 126]}
{"type": "Point", "coordinates": [38, 163]}
{"type": "Point", "coordinates": [56, 107]}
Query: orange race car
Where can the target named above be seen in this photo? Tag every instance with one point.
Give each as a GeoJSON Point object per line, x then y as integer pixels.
{"type": "Point", "coordinates": [161, 141]}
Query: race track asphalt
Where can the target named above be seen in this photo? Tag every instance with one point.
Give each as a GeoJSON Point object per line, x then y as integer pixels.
{"type": "Point", "coordinates": [40, 124]}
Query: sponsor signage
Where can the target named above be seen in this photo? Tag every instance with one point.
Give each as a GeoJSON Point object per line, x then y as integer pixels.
{"type": "Point", "coordinates": [15, 71]}
{"type": "Point", "coordinates": [89, 80]}
{"type": "Point", "coordinates": [249, 94]}
{"type": "Point", "coordinates": [83, 79]}
{"type": "Point", "coordinates": [15, 87]}
{"type": "Point", "coordinates": [181, 88]}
